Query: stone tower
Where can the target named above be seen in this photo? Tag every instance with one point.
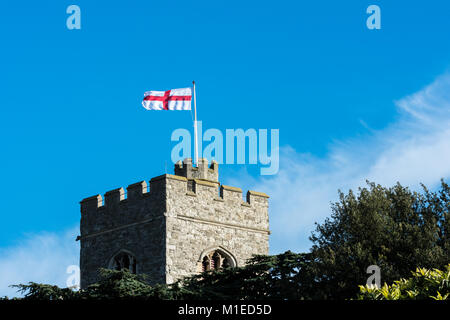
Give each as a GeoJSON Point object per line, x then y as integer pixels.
{"type": "Point", "coordinates": [180, 225]}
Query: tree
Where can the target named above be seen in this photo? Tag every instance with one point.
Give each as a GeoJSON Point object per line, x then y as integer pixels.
{"type": "Point", "coordinates": [39, 291]}
{"type": "Point", "coordinates": [393, 228]}
{"type": "Point", "coordinates": [112, 285]}
{"type": "Point", "coordinates": [263, 277]}
{"type": "Point", "coordinates": [117, 284]}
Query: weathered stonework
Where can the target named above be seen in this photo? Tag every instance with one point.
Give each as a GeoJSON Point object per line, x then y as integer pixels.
{"type": "Point", "coordinates": [170, 228]}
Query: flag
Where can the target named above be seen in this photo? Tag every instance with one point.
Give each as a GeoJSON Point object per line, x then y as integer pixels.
{"type": "Point", "coordinates": [175, 99]}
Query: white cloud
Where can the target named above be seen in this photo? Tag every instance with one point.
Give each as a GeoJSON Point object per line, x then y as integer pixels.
{"type": "Point", "coordinates": [414, 149]}
{"type": "Point", "coordinates": [42, 257]}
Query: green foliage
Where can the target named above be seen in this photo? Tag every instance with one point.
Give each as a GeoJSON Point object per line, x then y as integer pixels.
{"type": "Point", "coordinates": [263, 277]}
{"type": "Point", "coordinates": [39, 291]}
{"type": "Point", "coordinates": [424, 284]}
{"type": "Point", "coordinates": [113, 285]}
{"type": "Point", "coordinates": [117, 284]}
{"type": "Point", "coordinates": [392, 228]}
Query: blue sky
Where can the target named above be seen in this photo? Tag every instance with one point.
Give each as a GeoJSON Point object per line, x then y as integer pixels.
{"type": "Point", "coordinates": [344, 98]}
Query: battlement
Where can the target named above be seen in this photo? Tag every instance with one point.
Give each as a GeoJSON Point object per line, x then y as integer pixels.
{"type": "Point", "coordinates": [192, 191]}
{"type": "Point", "coordinates": [188, 187]}
{"type": "Point", "coordinates": [202, 171]}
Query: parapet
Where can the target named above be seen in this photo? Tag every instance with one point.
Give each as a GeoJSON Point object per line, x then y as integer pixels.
{"type": "Point", "coordinates": [201, 171]}
{"type": "Point", "coordinates": [172, 192]}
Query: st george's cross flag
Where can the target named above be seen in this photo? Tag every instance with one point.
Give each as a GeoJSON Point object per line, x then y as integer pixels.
{"type": "Point", "coordinates": [175, 99]}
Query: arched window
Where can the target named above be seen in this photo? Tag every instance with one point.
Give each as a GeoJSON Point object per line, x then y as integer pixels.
{"type": "Point", "coordinates": [206, 265]}
{"type": "Point", "coordinates": [215, 260]}
{"type": "Point", "coordinates": [124, 260]}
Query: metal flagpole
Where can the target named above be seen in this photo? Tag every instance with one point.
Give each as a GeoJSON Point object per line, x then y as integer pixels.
{"type": "Point", "coordinates": [195, 128]}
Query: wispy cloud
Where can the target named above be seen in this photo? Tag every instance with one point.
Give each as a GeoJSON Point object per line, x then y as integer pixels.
{"type": "Point", "coordinates": [42, 257]}
{"type": "Point", "coordinates": [414, 149]}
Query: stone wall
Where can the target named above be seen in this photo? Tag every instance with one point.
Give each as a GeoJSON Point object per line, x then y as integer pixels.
{"type": "Point", "coordinates": [145, 241]}
{"type": "Point", "coordinates": [135, 224]}
{"type": "Point", "coordinates": [201, 221]}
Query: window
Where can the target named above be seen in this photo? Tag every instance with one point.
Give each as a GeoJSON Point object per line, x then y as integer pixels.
{"type": "Point", "coordinates": [124, 260]}
{"type": "Point", "coordinates": [216, 260]}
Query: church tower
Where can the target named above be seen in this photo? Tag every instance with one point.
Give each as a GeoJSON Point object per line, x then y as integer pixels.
{"type": "Point", "coordinates": [176, 226]}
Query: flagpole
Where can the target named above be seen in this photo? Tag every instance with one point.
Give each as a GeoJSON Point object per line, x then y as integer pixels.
{"type": "Point", "coordinates": [195, 128]}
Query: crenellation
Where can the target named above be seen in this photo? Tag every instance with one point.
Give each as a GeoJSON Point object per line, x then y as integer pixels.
{"type": "Point", "coordinates": [136, 190]}
{"type": "Point", "coordinates": [161, 186]}
{"type": "Point", "coordinates": [205, 187]}
{"type": "Point", "coordinates": [214, 168]}
{"type": "Point", "coordinates": [258, 197]}
{"type": "Point", "coordinates": [231, 194]}
{"type": "Point", "coordinates": [202, 168]}
{"type": "Point", "coordinates": [184, 168]}
{"type": "Point", "coordinates": [114, 197]}
{"type": "Point", "coordinates": [201, 171]}
{"type": "Point", "coordinates": [91, 203]}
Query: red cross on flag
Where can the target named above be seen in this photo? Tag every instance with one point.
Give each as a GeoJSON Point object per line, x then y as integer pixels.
{"type": "Point", "coordinates": [175, 99]}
